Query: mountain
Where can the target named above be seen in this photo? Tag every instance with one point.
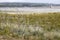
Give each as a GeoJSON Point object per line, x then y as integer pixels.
{"type": "Point", "coordinates": [17, 4]}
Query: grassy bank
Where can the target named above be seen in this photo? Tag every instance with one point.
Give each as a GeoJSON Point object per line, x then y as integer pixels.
{"type": "Point", "coordinates": [41, 26]}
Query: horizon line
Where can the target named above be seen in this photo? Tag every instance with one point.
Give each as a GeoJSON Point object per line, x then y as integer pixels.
{"type": "Point", "coordinates": [29, 2]}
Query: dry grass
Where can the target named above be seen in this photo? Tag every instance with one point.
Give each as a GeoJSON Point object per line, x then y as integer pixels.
{"type": "Point", "coordinates": [35, 26]}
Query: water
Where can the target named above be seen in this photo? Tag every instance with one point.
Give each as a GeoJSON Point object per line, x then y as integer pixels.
{"type": "Point", "coordinates": [30, 9]}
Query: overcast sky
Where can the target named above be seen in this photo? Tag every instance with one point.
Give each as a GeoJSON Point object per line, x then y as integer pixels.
{"type": "Point", "coordinates": [35, 1]}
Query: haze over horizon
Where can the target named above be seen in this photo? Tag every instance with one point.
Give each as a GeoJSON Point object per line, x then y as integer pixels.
{"type": "Point", "coordinates": [33, 1]}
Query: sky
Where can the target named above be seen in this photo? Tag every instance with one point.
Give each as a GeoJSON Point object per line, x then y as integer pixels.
{"type": "Point", "coordinates": [33, 1]}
